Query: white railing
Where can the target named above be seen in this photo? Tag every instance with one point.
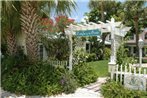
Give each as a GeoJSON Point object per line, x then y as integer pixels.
{"type": "Point", "coordinates": [127, 74]}
{"type": "Point", "coordinates": [58, 63]}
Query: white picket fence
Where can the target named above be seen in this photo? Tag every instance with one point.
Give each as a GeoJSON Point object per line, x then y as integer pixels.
{"type": "Point", "coordinates": [129, 75]}
{"type": "Point", "coordinates": [58, 63]}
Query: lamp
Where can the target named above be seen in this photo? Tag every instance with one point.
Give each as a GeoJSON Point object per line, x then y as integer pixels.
{"type": "Point", "coordinates": [140, 44]}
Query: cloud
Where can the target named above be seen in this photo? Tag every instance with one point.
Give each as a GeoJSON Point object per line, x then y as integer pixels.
{"type": "Point", "coordinates": [74, 17]}
{"type": "Point", "coordinates": [84, 19]}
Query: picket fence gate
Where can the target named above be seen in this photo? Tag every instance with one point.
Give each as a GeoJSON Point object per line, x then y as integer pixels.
{"type": "Point", "coordinates": [130, 76]}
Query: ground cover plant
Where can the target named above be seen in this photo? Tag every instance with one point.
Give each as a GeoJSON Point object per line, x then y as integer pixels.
{"type": "Point", "coordinates": [38, 78]}
{"type": "Point", "coordinates": [84, 74]}
{"type": "Point", "coordinates": [20, 76]}
{"type": "Point", "coordinates": [112, 89]}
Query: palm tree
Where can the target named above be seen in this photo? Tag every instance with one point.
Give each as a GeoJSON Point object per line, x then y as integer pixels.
{"type": "Point", "coordinates": [30, 21]}
{"type": "Point", "coordinates": [106, 9]}
{"type": "Point", "coordinates": [10, 25]}
{"type": "Point", "coordinates": [134, 11]}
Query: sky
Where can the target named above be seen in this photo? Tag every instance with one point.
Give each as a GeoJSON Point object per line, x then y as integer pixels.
{"type": "Point", "coordinates": [82, 7]}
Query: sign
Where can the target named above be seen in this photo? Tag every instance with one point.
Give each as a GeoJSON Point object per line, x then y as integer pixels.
{"type": "Point", "coordinates": [135, 82]}
{"type": "Point", "coordinates": [94, 32]}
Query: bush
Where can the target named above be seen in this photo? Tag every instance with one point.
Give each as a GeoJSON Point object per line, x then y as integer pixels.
{"type": "Point", "coordinates": [112, 89]}
{"type": "Point", "coordinates": [36, 79]}
{"type": "Point", "coordinates": [122, 56]}
{"type": "Point", "coordinates": [81, 56]}
{"type": "Point", "coordinates": [84, 73]}
{"type": "Point", "coordinates": [91, 57]}
{"type": "Point", "coordinates": [69, 84]}
{"type": "Point", "coordinates": [107, 53]}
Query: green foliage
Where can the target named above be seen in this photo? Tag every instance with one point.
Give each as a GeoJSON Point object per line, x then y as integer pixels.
{"type": "Point", "coordinates": [82, 56]}
{"type": "Point", "coordinates": [112, 89]}
{"type": "Point", "coordinates": [107, 53]}
{"type": "Point", "coordinates": [97, 48]}
{"type": "Point", "coordinates": [79, 55]}
{"type": "Point", "coordinates": [39, 78]}
{"type": "Point", "coordinates": [91, 57]}
{"type": "Point", "coordinates": [122, 56]}
{"type": "Point", "coordinates": [57, 47]}
{"type": "Point", "coordinates": [84, 73]}
{"type": "Point", "coordinates": [69, 82]}
{"type": "Point", "coordinates": [18, 60]}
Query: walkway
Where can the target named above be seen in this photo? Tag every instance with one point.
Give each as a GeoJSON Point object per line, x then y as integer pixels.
{"type": "Point", "coordinates": [89, 91]}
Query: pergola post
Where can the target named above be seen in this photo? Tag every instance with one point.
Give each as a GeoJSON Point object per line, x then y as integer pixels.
{"type": "Point", "coordinates": [71, 49]}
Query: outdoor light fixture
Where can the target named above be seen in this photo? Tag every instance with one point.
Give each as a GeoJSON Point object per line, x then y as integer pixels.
{"type": "Point", "coordinates": [140, 44]}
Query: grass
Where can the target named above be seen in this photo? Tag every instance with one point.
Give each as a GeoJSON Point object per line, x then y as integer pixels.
{"type": "Point", "coordinates": [101, 67]}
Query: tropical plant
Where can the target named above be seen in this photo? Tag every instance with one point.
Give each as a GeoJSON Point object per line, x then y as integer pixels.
{"type": "Point", "coordinates": [122, 56]}
{"type": "Point", "coordinates": [107, 53]}
{"type": "Point", "coordinates": [30, 20]}
{"type": "Point", "coordinates": [54, 35]}
{"type": "Point", "coordinates": [40, 78]}
{"type": "Point", "coordinates": [10, 25]}
{"type": "Point", "coordinates": [112, 89]}
{"type": "Point", "coordinates": [102, 11]}
{"type": "Point", "coordinates": [135, 12]}
{"type": "Point", "coordinates": [84, 73]}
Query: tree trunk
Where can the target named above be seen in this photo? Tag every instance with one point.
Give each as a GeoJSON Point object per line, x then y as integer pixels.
{"type": "Point", "coordinates": [11, 44]}
{"type": "Point", "coordinates": [137, 34]}
{"type": "Point", "coordinates": [29, 22]}
{"type": "Point", "coordinates": [104, 35]}
{"type": "Point", "coordinates": [102, 11]}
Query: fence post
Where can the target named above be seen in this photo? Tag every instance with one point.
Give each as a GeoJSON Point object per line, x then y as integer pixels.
{"type": "Point", "coordinates": [121, 73]}
{"type": "Point", "coordinates": [139, 70]}
{"type": "Point", "coordinates": [129, 68]}
{"type": "Point", "coordinates": [116, 72]}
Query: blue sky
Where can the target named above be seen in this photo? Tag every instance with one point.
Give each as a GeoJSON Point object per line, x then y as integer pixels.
{"type": "Point", "coordinates": [82, 7]}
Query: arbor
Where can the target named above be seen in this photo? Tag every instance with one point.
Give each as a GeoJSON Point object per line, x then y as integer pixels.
{"type": "Point", "coordinates": [102, 11]}
{"type": "Point", "coordinates": [10, 25]}
{"type": "Point", "coordinates": [30, 21]}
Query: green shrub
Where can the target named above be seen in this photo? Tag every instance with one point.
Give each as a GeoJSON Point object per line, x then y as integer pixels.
{"type": "Point", "coordinates": [91, 57]}
{"type": "Point", "coordinates": [69, 83]}
{"type": "Point", "coordinates": [107, 53]}
{"type": "Point", "coordinates": [84, 73]}
{"type": "Point", "coordinates": [37, 79]}
{"type": "Point", "coordinates": [112, 89]}
{"type": "Point", "coordinates": [122, 56]}
{"type": "Point", "coordinates": [81, 56]}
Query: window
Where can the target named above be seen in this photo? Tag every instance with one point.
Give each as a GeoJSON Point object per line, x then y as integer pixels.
{"type": "Point", "coordinates": [131, 37]}
{"type": "Point", "coordinates": [145, 37]}
{"type": "Point", "coordinates": [109, 36]}
{"type": "Point", "coordinates": [145, 51]}
{"type": "Point", "coordinates": [134, 50]}
{"type": "Point", "coordinates": [41, 51]}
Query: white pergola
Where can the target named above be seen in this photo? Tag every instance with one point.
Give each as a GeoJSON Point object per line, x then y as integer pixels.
{"type": "Point", "coordinates": [116, 29]}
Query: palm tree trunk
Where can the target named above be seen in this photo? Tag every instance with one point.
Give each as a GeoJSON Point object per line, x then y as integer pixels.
{"type": "Point", "coordinates": [29, 22]}
{"type": "Point", "coordinates": [137, 34]}
{"type": "Point", "coordinates": [102, 11]}
{"type": "Point", "coordinates": [104, 35]}
{"type": "Point", "coordinates": [11, 43]}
